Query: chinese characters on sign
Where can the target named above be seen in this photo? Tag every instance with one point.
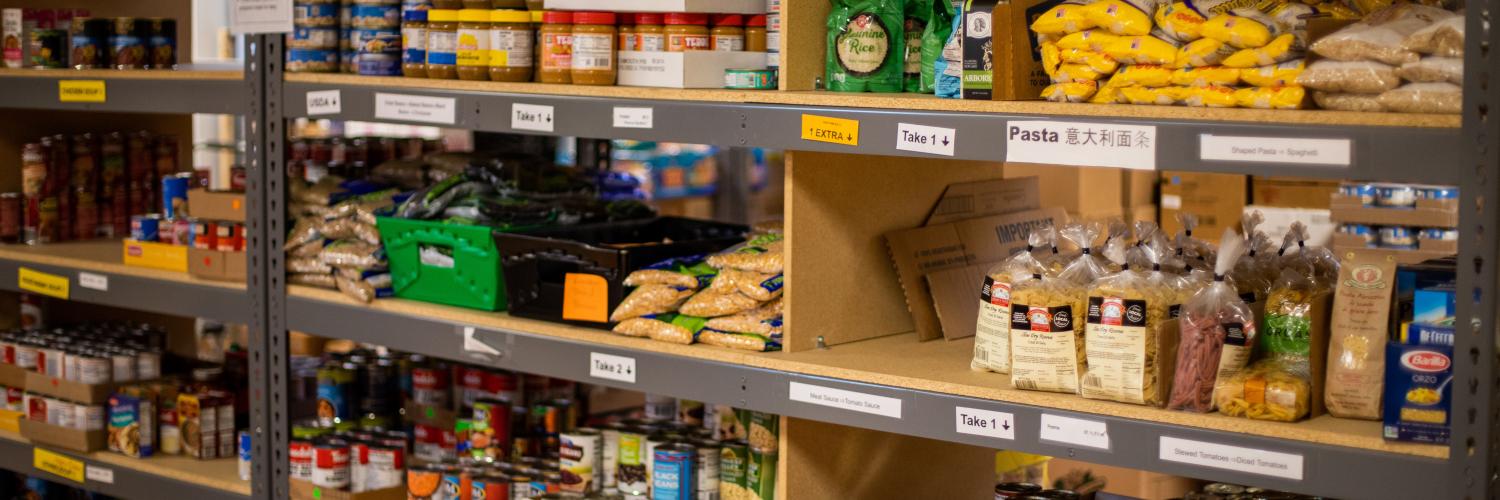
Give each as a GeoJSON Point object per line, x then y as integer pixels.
{"type": "Point", "coordinates": [1081, 143]}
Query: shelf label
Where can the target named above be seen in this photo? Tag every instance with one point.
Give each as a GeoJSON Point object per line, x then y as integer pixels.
{"type": "Point", "coordinates": [415, 108]}
{"type": "Point", "coordinates": [68, 467]}
{"type": "Point", "coordinates": [100, 474]}
{"type": "Point", "coordinates": [80, 90]}
{"type": "Point", "coordinates": [93, 281]}
{"type": "Point", "coordinates": [1075, 431]}
{"type": "Point", "coordinates": [1235, 458]}
{"type": "Point", "coordinates": [626, 117]}
{"type": "Point", "coordinates": [1081, 143]}
{"type": "Point", "coordinates": [531, 117]}
{"type": "Point", "coordinates": [1332, 152]}
{"type": "Point", "coordinates": [926, 139]}
{"type": "Point", "coordinates": [830, 129]}
{"type": "Point", "coordinates": [35, 281]}
{"type": "Point", "coordinates": [845, 400]}
{"type": "Point", "coordinates": [260, 16]}
{"type": "Point", "coordinates": [585, 297]}
{"type": "Point", "coordinates": [323, 102]}
{"type": "Point", "coordinates": [612, 367]}
{"type": "Point", "coordinates": [995, 424]}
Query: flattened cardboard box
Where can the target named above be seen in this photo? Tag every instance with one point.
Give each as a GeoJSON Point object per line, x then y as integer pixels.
{"type": "Point", "coordinates": [967, 200]}
{"type": "Point", "coordinates": [216, 205]}
{"type": "Point", "coordinates": [922, 251]}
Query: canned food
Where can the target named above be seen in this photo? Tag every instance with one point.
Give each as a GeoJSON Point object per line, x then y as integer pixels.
{"type": "Point", "coordinates": [89, 41]}
{"type": "Point", "coordinates": [228, 236]}
{"type": "Point", "coordinates": [610, 435]}
{"type": "Point", "coordinates": [25, 355]}
{"type": "Point", "coordinates": [674, 471]}
{"type": "Point", "coordinates": [314, 38]}
{"type": "Point", "coordinates": [147, 365]}
{"type": "Point", "coordinates": [1395, 195]}
{"type": "Point", "coordinates": [122, 365]}
{"type": "Point", "coordinates": [631, 472]}
{"type": "Point", "coordinates": [70, 364]}
{"type": "Point", "coordinates": [127, 43]}
{"type": "Point", "coordinates": [162, 43]}
{"type": "Point", "coordinates": [312, 60]}
{"type": "Point", "coordinates": [145, 227]}
{"type": "Point", "coordinates": [520, 486]}
{"type": "Point", "coordinates": [659, 407]}
{"type": "Point", "coordinates": [330, 464]}
{"type": "Point", "coordinates": [733, 458]}
{"type": "Point", "coordinates": [335, 384]}
{"type": "Point", "coordinates": [309, 14]}
{"type": "Point", "coordinates": [1008, 491]}
{"type": "Point", "coordinates": [454, 483]}
{"type": "Point", "coordinates": [489, 486]}
{"type": "Point", "coordinates": [93, 368]}
{"type": "Point", "coordinates": [1363, 232]}
{"type": "Point", "coordinates": [760, 473]}
{"type": "Point", "coordinates": [60, 412]}
{"type": "Point", "coordinates": [204, 235]}
{"type": "Point", "coordinates": [750, 79]}
{"type": "Point", "coordinates": [1364, 191]}
{"type": "Point", "coordinates": [1438, 233]}
{"type": "Point", "coordinates": [243, 462]}
{"type": "Point", "coordinates": [380, 56]}
{"type": "Point", "coordinates": [1437, 193]}
{"type": "Point", "coordinates": [707, 480]}
{"type": "Point", "coordinates": [582, 457]}
{"type": "Point", "coordinates": [425, 482]}
{"type": "Point", "coordinates": [1397, 237]}
{"type": "Point", "coordinates": [551, 481]}
{"type": "Point", "coordinates": [375, 16]}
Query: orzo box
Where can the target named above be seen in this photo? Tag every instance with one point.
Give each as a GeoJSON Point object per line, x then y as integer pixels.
{"type": "Point", "coordinates": [1418, 389]}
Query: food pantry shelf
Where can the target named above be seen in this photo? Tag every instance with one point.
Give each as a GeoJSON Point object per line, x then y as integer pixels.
{"type": "Point", "coordinates": [192, 89]}
{"type": "Point", "coordinates": [124, 286]}
{"type": "Point", "coordinates": [920, 388]}
{"type": "Point", "coordinates": [1382, 145]}
{"type": "Point", "coordinates": [136, 478]}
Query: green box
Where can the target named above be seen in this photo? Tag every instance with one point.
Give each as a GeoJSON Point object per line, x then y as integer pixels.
{"type": "Point", "coordinates": [470, 278]}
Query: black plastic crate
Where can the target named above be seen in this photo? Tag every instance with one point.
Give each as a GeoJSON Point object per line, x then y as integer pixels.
{"type": "Point", "coordinates": [536, 263]}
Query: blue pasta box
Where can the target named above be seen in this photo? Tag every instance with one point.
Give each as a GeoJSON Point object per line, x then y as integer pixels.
{"type": "Point", "coordinates": [1434, 305]}
{"type": "Point", "coordinates": [1418, 379]}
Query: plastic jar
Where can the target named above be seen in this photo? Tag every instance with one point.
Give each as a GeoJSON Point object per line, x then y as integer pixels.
{"type": "Point", "coordinates": [511, 39]}
{"type": "Point", "coordinates": [686, 32]}
{"type": "Point", "coordinates": [557, 47]}
{"type": "Point", "coordinates": [414, 44]}
{"type": "Point", "coordinates": [594, 48]}
{"type": "Point", "coordinates": [473, 44]}
{"type": "Point", "coordinates": [536, 46]}
{"type": "Point", "coordinates": [627, 32]}
{"type": "Point", "coordinates": [442, 44]}
{"type": "Point", "coordinates": [755, 33]}
{"type": "Point", "coordinates": [728, 34]}
{"type": "Point", "coordinates": [649, 34]}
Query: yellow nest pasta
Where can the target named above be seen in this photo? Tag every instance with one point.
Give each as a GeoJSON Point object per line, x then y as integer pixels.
{"type": "Point", "coordinates": [1264, 391]}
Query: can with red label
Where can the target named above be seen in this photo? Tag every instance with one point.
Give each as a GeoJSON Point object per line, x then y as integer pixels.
{"type": "Point", "coordinates": [205, 235]}
{"type": "Point", "coordinates": [228, 235]}
{"type": "Point", "coordinates": [429, 386]}
{"type": "Point", "coordinates": [330, 467]}
{"type": "Point", "coordinates": [300, 455]}
{"type": "Point", "coordinates": [15, 399]}
{"type": "Point", "coordinates": [384, 466]}
{"type": "Point", "coordinates": [359, 457]}
{"type": "Point", "coordinates": [36, 408]}
{"type": "Point", "coordinates": [504, 386]}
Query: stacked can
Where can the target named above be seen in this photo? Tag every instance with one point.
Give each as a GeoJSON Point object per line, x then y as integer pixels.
{"type": "Point", "coordinates": [773, 37]}
{"type": "Point", "coordinates": [374, 36]}
{"type": "Point", "coordinates": [314, 44]}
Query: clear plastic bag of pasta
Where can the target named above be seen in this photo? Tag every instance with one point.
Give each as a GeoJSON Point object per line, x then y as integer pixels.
{"type": "Point", "coordinates": [1270, 389]}
{"type": "Point", "coordinates": [1047, 334]}
{"type": "Point", "coordinates": [1381, 36]}
{"type": "Point", "coordinates": [1217, 332]}
{"type": "Point", "coordinates": [992, 326]}
{"type": "Point", "coordinates": [1360, 77]}
{"type": "Point", "coordinates": [1121, 17]}
{"type": "Point", "coordinates": [1434, 69]}
{"type": "Point", "coordinates": [1444, 38]}
{"type": "Point", "coordinates": [1086, 266]}
{"type": "Point", "coordinates": [1343, 101]}
{"type": "Point", "coordinates": [1063, 18]}
{"type": "Point", "coordinates": [1070, 92]}
{"type": "Point", "coordinates": [1424, 98]}
{"type": "Point", "coordinates": [1123, 333]}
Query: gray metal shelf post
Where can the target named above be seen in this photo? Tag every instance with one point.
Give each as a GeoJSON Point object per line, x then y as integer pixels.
{"type": "Point", "coordinates": [263, 221]}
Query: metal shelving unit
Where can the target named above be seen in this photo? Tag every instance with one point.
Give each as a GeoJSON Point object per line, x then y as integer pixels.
{"type": "Point", "coordinates": [125, 477]}
{"type": "Point", "coordinates": [208, 89]}
{"type": "Point", "coordinates": [96, 276]}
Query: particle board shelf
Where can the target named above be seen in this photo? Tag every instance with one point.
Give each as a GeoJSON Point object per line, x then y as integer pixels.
{"type": "Point", "coordinates": [136, 478]}
{"type": "Point", "coordinates": [924, 385]}
{"type": "Point", "coordinates": [189, 89]}
{"type": "Point", "coordinates": [124, 286]}
{"type": "Point", "coordinates": [1381, 145]}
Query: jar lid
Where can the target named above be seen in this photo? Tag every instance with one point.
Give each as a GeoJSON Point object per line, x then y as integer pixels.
{"type": "Point", "coordinates": [442, 15]}
{"type": "Point", "coordinates": [684, 18]}
{"type": "Point", "coordinates": [510, 16]}
{"type": "Point", "coordinates": [756, 20]}
{"type": "Point", "coordinates": [627, 18]}
{"type": "Point", "coordinates": [474, 16]}
{"type": "Point", "coordinates": [729, 20]}
{"type": "Point", "coordinates": [641, 19]}
{"type": "Point", "coordinates": [536, 16]}
{"type": "Point", "coordinates": [415, 16]}
{"type": "Point", "coordinates": [594, 18]}
{"type": "Point", "coordinates": [557, 17]}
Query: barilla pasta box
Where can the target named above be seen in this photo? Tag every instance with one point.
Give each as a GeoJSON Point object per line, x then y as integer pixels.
{"type": "Point", "coordinates": [1418, 384]}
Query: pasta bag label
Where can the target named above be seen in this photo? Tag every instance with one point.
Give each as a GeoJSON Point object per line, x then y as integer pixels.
{"type": "Point", "coordinates": [1044, 351]}
{"type": "Point", "coordinates": [1236, 351]}
{"type": "Point", "coordinates": [1116, 349]}
{"type": "Point", "coordinates": [992, 330]}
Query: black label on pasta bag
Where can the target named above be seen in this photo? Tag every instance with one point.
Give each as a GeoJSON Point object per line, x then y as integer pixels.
{"type": "Point", "coordinates": [1041, 319]}
{"type": "Point", "coordinates": [1234, 334]}
{"type": "Point", "coordinates": [1174, 311]}
{"type": "Point", "coordinates": [1115, 311]}
{"type": "Point", "coordinates": [995, 292]}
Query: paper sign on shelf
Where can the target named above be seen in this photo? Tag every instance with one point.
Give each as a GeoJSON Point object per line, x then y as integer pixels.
{"type": "Point", "coordinates": [51, 285]}
{"type": "Point", "coordinates": [628, 117]}
{"type": "Point", "coordinates": [80, 90]}
{"type": "Point", "coordinates": [926, 139]}
{"type": "Point", "coordinates": [93, 281]}
{"type": "Point", "coordinates": [845, 400]}
{"type": "Point", "coordinates": [415, 108]}
{"type": "Point", "coordinates": [64, 466]}
{"type": "Point", "coordinates": [1075, 431]}
{"type": "Point", "coordinates": [1235, 458]}
{"type": "Point", "coordinates": [324, 102]}
{"type": "Point", "coordinates": [260, 16]}
{"type": "Point", "coordinates": [995, 424]}
{"type": "Point", "coordinates": [1331, 152]}
{"type": "Point", "coordinates": [534, 117]}
{"type": "Point", "coordinates": [612, 367]}
{"type": "Point", "coordinates": [829, 129]}
{"type": "Point", "coordinates": [100, 474]}
{"type": "Point", "coordinates": [585, 297]}
{"type": "Point", "coordinates": [1081, 143]}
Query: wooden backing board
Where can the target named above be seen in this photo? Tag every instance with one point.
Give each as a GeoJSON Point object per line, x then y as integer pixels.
{"type": "Point", "coordinates": [823, 460]}
{"type": "Point", "coordinates": [804, 41]}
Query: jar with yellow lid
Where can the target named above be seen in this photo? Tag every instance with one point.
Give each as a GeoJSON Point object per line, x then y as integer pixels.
{"type": "Point", "coordinates": [728, 33]}
{"type": "Point", "coordinates": [649, 34]}
{"type": "Point", "coordinates": [473, 44]}
{"type": "Point", "coordinates": [686, 32]}
{"type": "Point", "coordinates": [511, 37]}
{"type": "Point", "coordinates": [442, 44]}
{"type": "Point", "coordinates": [755, 33]}
{"type": "Point", "coordinates": [594, 48]}
{"type": "Point", "coordinates": [557, 47]}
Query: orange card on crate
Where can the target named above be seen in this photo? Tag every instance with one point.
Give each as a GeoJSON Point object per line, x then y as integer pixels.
{"type": "Point", "coordinates": [585, 297]}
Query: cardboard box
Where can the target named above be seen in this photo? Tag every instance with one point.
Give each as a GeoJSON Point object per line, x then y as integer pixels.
{"type": "Point", "coordinates": [968, 200]}
{"type": "Point", "coordinates": [698, 69]}
{"type": "Point", "coordinates": [93, 394]}
{"type": "Point", "coordinates": [1291, 192]}
{"type": "Point", "coordinates": [155, 255]}
{"type": "Point", "coordinates": [1001, 60]}
{"type": "Point", "coordinates": [62, 437]}
{"type": "Point", "coordinates": [216, 265]}
{"type": "Point", "coordinates": [1217, 200]}
{"type": "Point", "coordinates": [1088, 193]}
{"type": "Point", "coordinates": [1141, 212]}
{"type": "Point", "coordinates": [1278, 221]}
{"type": "Point", "coordinates": [1428, 213]}
{"type": "Point", "coordinates": [305, 490]}
{"type": "Point", "coordinates": [1426, 249]}
{"type": "Point", "coordinates": [703, 6]}
{"type": "Point", "coordinates": [216, 205]}
{"type": "Point", "coordinates": [12, 376]}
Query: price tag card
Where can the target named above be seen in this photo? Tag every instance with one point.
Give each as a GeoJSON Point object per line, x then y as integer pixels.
{"type": "Point", "coordinates": [260, 16]}
{"type": "Point", "coordinates": [830, 129]}
{"type": "Point", "coordinates": [633, 117]}
{"type": "Point", "coordinates": [47, 284]}
{"type": "Point", "coordinates": [1074, 431]}
{"type": "Point", "coordinates": [1081, 143]}
{"type": "Point", "coordinates": [415, 108]}
{"type": "Point", "coordinates": [534, 117]}
{"type": "Point", "coordinates": [845, 400]}
{"type": "Point", "coordinates": [101, 474]}
{"type": "Point", "coordinates": [80, 90]}
{"type": "Point", "coordinates": [64, 466]}
{"type": "Point", "coordinates": [1235, 458]}
{"type": "Point", "coordinates": [323, 102]}
{"type": "Point", "coordinates": [93, 281]}
{"type": "Point", "coordinates": [925, 139]}
{"type": "Point", "coordinates": [995, 424]}
{"type": "Point", "coordinates": [585, 297]}
{"type": "Point", "coordinates": [612, 367]}
{"type": "Point", "coordinates": [1331, 152]}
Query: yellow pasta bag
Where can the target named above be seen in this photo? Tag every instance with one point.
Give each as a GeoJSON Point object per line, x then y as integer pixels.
{"type": "Point", "coordinates": [1071, 72]}
{"type": "Point", "coordinates": [1095, 40]}
{"type": "Point", "coordinates": [1121, 17]}
{"type": "Point", "coordinates": [1202, 52]}
{"type": "Point", "coordinates": [1337, 10]}
{"type": "Point", "coordinates": [1206, 76]}
{"type": "Point", "coordinates": [1066, 17]}
{"type": "Point", "coordinates": [1180, 20]}
{"type": "Point", "coordinates": [1146, 49]}
{"type": "Point", "coordinates": [1051, 58]}
{"type": "Point", "coordinates": [1070, 92]}
{"type": "Point", "coordinates": [1240, 31]}
{"type": "Point", "coordinates": [1145, 95]}
{"type": "Point", "coordinates": [1142, 75]}
{"type": "Point", "coordinates": [1209, 97]}
{"type": "Point", "coordinates": [1106, 95]}
{"type": "Point", "coordinates": [1280, 49]}
{"type": "Point", "coordinates": [1096, 60]}
{"type": "Point", "coordinates": [1270, 97]}
{"type": "Point", "coordinates": [1279, 75]}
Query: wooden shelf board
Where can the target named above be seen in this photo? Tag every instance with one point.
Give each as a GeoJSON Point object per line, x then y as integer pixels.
{"type": "Point", "coordinates": [220, 474]}
{"type": "Point", "coordinates": [103, 256]}
{"type": "Point", "coordinates": [189, 72]}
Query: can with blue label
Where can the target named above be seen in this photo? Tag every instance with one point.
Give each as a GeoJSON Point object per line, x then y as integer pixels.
{"type": "Point", "coordinates": [1397, 238]}
{"type": "Point", "coordinates": [315, 13]}
{"type": "Point", "coordinates": [314, 38]}
{"type": "Point", "coordinates": [312, 60]}
{"type": "Point", "coordinates": [1395, 195]}
{"type": "Point", "coordinates": [1364, 232]}
{"type": "Point", "coordinates": [375, 16]}
{"type": "Point", "coordinates": [1437, 193]}
{"type": "Point", "coordinates": [1438, 233]}
{"type": "Point", "coordinates": [674, 471]}
{"type": "Point", "coordinates": [145, 227]}
{"type": "Point", "coordinates": [174, 190]}
{"type": "Point", "coordinates": [244, 455]}
{"type": "Point", "coordinates": [380, 56]}
{"type": "Point", "coordinates": [1362, 190]}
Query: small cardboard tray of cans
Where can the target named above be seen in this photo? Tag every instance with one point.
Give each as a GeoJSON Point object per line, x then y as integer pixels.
{"type": "Point", "coordinates": [1413, 222]}
{"type": "Point", "coordinates": [1249, 328]}
{"type": "Point", "coordinates": [461, 431]}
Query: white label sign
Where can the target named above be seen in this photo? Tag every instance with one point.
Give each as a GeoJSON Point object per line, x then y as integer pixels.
{"type": "Point", "coordinates": [1334, 152]}
{"type": "Point", "coordinates": [1081, 143]}
{"type": "Point", "coordinates": [632, 117]}
{"type": "Point", "coordinates": [612, 367]}
{"type": "Point", "coordinates": [1235, 458]}
{"type": "Point", "coordinates": [100, 474]}
{"type": "Point", "coordinates": [995, 424]}
{"type": "Point", "coordinates": [323, 102]}
{"type": "Point", "coordinates": [260, 16]}
{"type": "Point", "coordinates": [925, 139]}
{"type": "Point", "coordinates": [531, 117]}
{"type": "Point", "coordinates": [415, 108]}
{"type": "Point", "coordinates": [93, 281]}
{"type": "Point", "coordinates": [1076, 431]}
{"type": "Point", "coordinates": [845, 400]}
{"type": "Point", "coordinates": [472, 344]}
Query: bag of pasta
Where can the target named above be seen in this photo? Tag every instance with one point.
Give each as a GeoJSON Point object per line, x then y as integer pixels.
{"type": "Point", "coordinates": [762, 254]}
{"type": "Point", "coordinates": [1086, 266]}
{"type": "Point", "coordinates": [1243, 29]}
{"type": "Point", "coordinates": [1180, 20]}
{"type": "Point", "coordinates": [1063, 18]}
{"type": "Point", "coordinates": [1381, 35]}
{"type": "Point", "coordinates": [1271, 97]}
{"type": "Point", "coordinates": [1281, 386]}
{"type": "Point", "coordinates": [1444, 38]}
{"type": "Point", "coordinates": [1279, 75]}
{"type": "Point", "coordinates": [992, 328]}
{"type": "Point", "coordinates": [1121, 17]}
{"type": "Point", "coordinates": [1123, 334]}
{"type": "Point", "coordinates": [1046, 340]}
{"type": "Point", "coordinates": [1279, 50]}
{"type": "Point", "coordinates": [1270, 389]}
{"type": "Point", "coordinates": [666, 327]}
{"type": "Point", "coordinates": [1217, 333]}
{"type": "Point", "coordinates": [1070, 91]}
{"type": "Point", "coordinates": [1155, 48]}
{"type": "Point", "coordinates": [1202, 52]}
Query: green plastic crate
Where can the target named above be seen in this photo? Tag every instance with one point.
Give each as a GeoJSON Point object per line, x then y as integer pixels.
{"type": "Point", "coordinates": [472, 280]}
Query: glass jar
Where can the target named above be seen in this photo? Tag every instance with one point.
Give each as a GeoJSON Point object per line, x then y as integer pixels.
{"type": "Point", "coordinates": [536, 46]}
{"type": "Point", "coordinates": [686, 32]}
{"type": "Point", "coordinates": [627, 32]}
{"type": "Point", "coordinates": [755, 33]}
{"type": "Point", "coordinates": [414, 44]}
{"type": "Point", "coordinates": [557, 47]}
{"type": "Point", "coordinates": [473, 45]}
{"type": "Point", "coordinates": [511, 37]}
{"type": "Point", "coordinates": [649, 34]}
{"type": "Point", "coordinates": [728, 34]}
{"type": "Point", "coordinates": [442, 44]}
{"type": "Point", "coordinates": [594, 48]}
